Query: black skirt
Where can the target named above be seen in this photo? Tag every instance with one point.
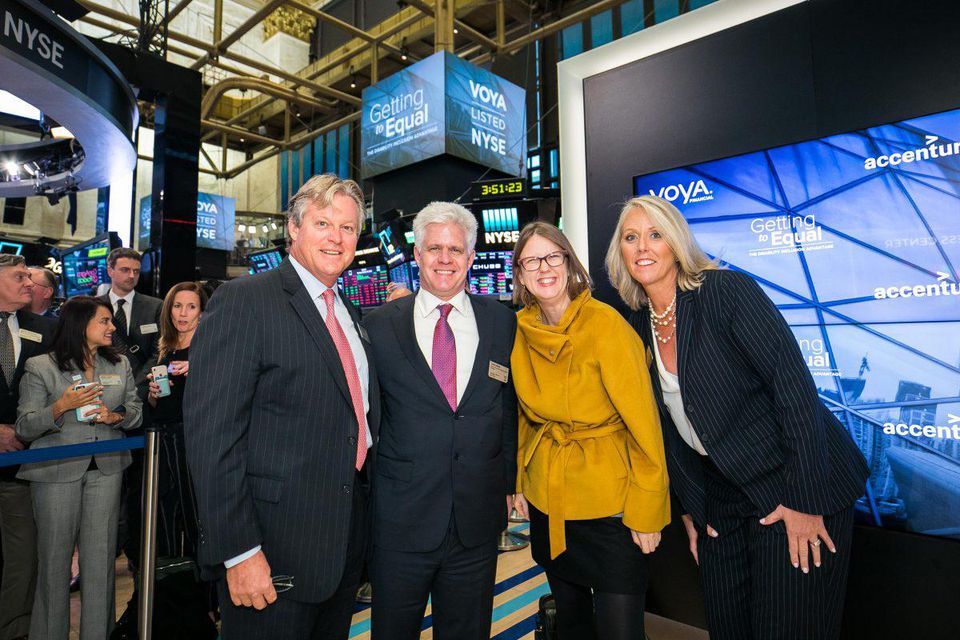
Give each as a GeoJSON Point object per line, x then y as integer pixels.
{"type": "Point", "coordinates": [600, 554]}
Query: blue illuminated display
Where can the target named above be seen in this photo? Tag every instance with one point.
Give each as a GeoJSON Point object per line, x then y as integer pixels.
{"type": "Point", "coordinates": [443, 104]}
{"type": "Point", "coordinates": [215, 219]}
{"type": "Point", "coordinates": [856, 239]}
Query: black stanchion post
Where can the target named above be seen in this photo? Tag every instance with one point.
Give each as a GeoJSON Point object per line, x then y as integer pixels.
{"type": "Point", "coordinates": [148, 541]}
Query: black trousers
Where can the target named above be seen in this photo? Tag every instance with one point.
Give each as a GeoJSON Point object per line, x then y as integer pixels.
{"type": "Point", "coordinates": [459, 581]}
{"type": "Point", "coordinates": [751, 590]}
{"type": "Point", "coordinates": [288, 619]}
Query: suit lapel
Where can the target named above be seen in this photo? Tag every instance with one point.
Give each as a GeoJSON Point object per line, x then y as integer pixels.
{"type": "Point", "coordinates": [686, 321]}
{"type": "Point", "coordinates": [407, 339]}
{"type": "Point", "coordinates": [28, 348]}
{"type": "Point", "coordinates": [480, 362]}
{"type": "Point", "coordinates": [313, 322]}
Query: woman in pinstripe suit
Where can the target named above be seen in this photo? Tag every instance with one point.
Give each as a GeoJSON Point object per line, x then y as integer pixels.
{"type": "Point", "coordinates": [756, 462]}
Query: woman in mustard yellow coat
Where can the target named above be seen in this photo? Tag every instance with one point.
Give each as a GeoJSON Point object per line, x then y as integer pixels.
{"type": "Point", "coordinates": [591, 474]}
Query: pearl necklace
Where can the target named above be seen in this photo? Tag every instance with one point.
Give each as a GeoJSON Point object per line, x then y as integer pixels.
{"type": "Point", "coordinates": [665, 319]}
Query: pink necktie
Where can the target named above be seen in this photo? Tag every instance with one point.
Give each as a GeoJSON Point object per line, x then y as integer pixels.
{"type": "Point", "coordinates": [444, 363]}
{"type": "Point", "coordinates": [350, 370]}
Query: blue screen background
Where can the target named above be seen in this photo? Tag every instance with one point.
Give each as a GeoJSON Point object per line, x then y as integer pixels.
{"type": "Point", "coordinates": [877, 361]}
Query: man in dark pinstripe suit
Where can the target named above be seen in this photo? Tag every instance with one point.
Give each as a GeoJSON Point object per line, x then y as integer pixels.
{"type": "Point", "coordinates": [280, 415]}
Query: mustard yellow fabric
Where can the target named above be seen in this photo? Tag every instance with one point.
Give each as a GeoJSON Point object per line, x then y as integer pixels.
{"type": "Point", "coordinates": [590, 440]}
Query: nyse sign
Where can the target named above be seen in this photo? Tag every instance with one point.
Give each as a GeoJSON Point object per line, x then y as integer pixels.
{"type": "Point", "coordinates": [30, 39]}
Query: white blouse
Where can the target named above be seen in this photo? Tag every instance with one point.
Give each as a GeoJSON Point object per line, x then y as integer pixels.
{"type": "Point", "coordinates": [670, 386]}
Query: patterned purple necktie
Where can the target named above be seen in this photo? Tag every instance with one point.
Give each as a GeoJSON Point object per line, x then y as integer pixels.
{"type": "Point", "coordinates": [444, 363]}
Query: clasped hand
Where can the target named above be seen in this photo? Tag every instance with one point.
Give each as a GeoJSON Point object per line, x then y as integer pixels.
{"type": "Point", "coordinates": [250, 583]}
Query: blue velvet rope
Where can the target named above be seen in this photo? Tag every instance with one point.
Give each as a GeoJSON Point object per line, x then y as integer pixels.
{"type": "Point", "coordinates": [70, 451]}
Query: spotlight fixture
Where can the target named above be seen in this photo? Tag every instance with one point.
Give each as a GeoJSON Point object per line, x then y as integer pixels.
{"type": "Point", "coordinates": [242, 140]}
{"type": "Point", "coordinates": [274, 225]}
{"type": "Point", "coordinates": [12, 167]}
{"type": "Point", "coordinates": [241, 228]}
{"type": "Point", "coordinates": [265, 229]}
{"type": "Point", "coordinates": [403, 54]}
{"type": "Point", "coordinates": [456, 31]}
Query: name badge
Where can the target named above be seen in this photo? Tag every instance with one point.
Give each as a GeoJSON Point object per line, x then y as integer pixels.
{"type": "Point", "coordinates": [110, 380]}
{"type": "Point", "coordinates": [32, 336]}
{"type": "Point", "coordinates": [148, 328]}
{"type": "Point", "coordinates": [498, 372]}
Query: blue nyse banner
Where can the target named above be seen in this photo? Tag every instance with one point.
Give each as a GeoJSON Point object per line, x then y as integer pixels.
{"type": "Point", "coordinates": [443, 104]}
{"type": "Point", "coordinates": [486, 117]}
{"type": "Point", "coordinates": [855, 239]}
{"type": "Point", "coordinates": [215, 219]}
{"type": "Point", "coordinates": [403, 118]}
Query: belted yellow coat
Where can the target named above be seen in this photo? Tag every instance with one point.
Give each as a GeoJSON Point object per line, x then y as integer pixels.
{"type": "Point", "coordinates": [590, 444]}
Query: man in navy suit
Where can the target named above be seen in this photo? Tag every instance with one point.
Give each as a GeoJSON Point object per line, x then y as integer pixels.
{"type": "Point", "coordinates": [22, 336]}
{"type": "Point", "coordinates": [447, 454]}
{"type": "Point", "coordinates": [280, 416]}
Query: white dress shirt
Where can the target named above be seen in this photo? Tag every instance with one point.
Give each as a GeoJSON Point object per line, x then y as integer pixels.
{"type": "Point", "coordinates": [127, 306]}
{"type": "Point", "coordinates": [670, 386]}
{"type": "Point", "coordinates": [14, 325]}
{"type": "Point", "coordinates": [462, 322]}
{"type": "Point", "coordinates": [316, 288]}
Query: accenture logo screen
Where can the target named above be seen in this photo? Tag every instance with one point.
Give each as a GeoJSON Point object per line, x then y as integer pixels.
{"type": "Point", "coordinates": [856, 239]}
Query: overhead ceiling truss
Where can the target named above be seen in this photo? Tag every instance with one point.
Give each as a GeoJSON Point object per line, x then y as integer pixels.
{"type": "Point", "coordinates": [416, 29]}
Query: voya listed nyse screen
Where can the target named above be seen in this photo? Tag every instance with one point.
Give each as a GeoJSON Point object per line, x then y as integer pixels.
{"type": "Point", "coordinates": [856, 238]}
{"type": "Point", "coordinates": [443, 104]}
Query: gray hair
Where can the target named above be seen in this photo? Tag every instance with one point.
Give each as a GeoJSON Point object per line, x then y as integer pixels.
{"type": "Point", "coordinates": [49, 277]}
{"type": "Point", "coordinates": [442, 212]}
{"type": "Point", "coordinates": [11, 260]}
{"type": "Point", "coordinates": [320, 191]}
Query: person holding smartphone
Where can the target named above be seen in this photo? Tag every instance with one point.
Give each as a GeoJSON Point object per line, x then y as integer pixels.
{"type": "Point", "coordinates": [177, 510]}
{"type": "Point", "coordinates": [77, 500]}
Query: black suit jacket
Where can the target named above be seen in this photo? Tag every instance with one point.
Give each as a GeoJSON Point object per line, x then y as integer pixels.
{"type": "Point", "coordinates": [271, 434]}
{"type": "Point", "coordinates": [142, 351]}
{"type": "Point", "coordinates": [433, 460]}
{"type": "Point", "coordinates": [10, 393]}
{"type": "Point", "coordinates": [752, 402]}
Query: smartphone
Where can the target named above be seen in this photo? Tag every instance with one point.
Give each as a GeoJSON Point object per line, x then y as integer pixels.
{"type": "Point", "coordinates": [86, 412]}
{"type": "Point", "coordinates": [160, 377]}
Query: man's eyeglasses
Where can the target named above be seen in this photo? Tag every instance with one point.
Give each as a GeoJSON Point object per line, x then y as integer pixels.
{"type": "Point", "coordinates": [282, 583]}
{"type": "Point", "coordinates": [554, 259]}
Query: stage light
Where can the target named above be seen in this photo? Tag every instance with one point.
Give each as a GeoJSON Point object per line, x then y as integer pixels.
{"type": "Point", "coordinates": [241, 228]}
{"type": "Point", "coordinates": [12, 168]}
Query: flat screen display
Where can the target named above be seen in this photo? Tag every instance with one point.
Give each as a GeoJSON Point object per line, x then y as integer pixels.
{"type": "Point", "coordinates": [406, 274]}
{"type": "Point", "coordinates": [443, 104]}
{"type": "Point", "coordinates": [265, 260]}
{"type": "Point", "coordinates": [392, 244]}
{"type": "Point", "coordinates": [85, 268]}
{"type": "Point", "coordinates": [215, 220]}
{"type": "Point", "coordinates": [365, 287]}
{"type": "Point", "coordinates": [856, 239]}
{"type": "Point", "coordinates": [492, 274]}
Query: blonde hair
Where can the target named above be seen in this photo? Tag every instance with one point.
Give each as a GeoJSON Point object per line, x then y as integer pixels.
{"type": "Point", "coordinates": [320, 191]}
{"type": "Point", "coordinates": [578, 278]}
{"type": "Point", "coordinates": [692, 261]}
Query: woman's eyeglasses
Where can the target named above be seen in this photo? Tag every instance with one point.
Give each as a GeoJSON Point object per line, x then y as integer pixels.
{"type": "Point", "coordinates": [552, 259]}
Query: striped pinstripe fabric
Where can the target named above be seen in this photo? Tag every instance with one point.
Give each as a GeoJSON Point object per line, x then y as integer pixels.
{"type": "Point", "coordinates": [271, 434]}
{"type": "Point", "coordinates": [753, 404]}
{"type": "Point", "coordinates": [749, 396]}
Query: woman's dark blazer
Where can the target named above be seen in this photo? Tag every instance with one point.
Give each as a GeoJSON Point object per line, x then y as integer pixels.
{"type": "Point", "coordinates": [751, 400]}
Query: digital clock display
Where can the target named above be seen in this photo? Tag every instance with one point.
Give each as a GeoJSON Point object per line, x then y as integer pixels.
{"type": "Point", "coordinates": [499, 189]}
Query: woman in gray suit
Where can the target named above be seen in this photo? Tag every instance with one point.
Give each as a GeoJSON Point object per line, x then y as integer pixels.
{"type": "Point", "coordinates": [82, 391]}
